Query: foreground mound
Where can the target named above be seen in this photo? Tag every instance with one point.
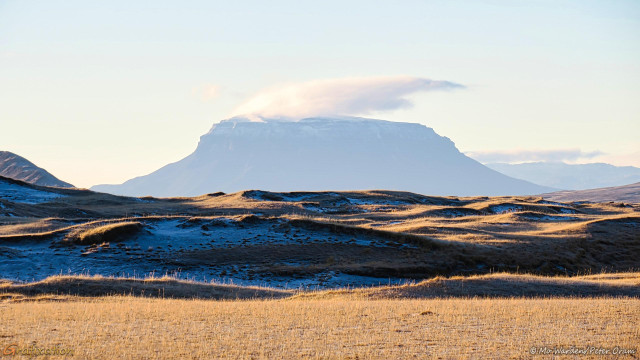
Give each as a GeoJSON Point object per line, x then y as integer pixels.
{"type": "Point", "coordinates": [495, 285]}
{"type": "Point", "coordinates": [165, 287]}
{"type": "Point", "coordinates": [500, 285]}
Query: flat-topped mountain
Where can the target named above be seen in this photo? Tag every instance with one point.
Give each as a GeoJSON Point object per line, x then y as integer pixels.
{"type": "Point", "coordinates": [314, 154]}
{"type": "Point", "coordinates": [16, 167]}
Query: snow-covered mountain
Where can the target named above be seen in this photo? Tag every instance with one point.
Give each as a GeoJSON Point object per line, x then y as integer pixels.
{"type": "Point", "coordinates": [16, 167]}
{"type": "Point", "coordinates": [571, 176]}
{"type": "Point", "coordinates": [342, 153]}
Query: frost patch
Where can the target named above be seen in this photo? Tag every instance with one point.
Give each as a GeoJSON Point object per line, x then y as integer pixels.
{"type": "Point", "coordinates": [503, 209]}
{"type": "Point", "coordinates": [26, 195]}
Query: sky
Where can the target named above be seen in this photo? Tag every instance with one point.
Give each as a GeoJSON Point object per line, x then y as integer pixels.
{"type": "Point", "coordinates": [103, 91]}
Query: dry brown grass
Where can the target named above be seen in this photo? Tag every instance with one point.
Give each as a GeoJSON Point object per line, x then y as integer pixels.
{"type": "Point", "coordinates": [163, 287]}
{"type": "Point", "coordinates": [143, 328]}
{"type": "Point", "coordinates": [507, 314]}
{"type": "Point", "coordinates": [28, 226]}
{"type": "Point", "coordinates": [103, 233]}
{"type": "Point", "coordinates": [492, 285]}
{"type": "Point", "coordinates": [439, 235]}
{"type": "Point", "coordinates": [497, 285]}
{"type": "Point", "coordinates": [437, 318]}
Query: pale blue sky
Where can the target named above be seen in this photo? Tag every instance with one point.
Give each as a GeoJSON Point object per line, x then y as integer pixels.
{"type": "Point", "coordinates": [102, 91]}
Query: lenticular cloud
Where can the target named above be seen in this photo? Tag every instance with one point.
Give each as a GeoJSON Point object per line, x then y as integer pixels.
{"type": "Point", "coordinates": [348, 96]}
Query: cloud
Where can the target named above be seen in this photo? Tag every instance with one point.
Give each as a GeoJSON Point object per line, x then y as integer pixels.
{"type": "Point", "coordinates": [206, 92]}
{"type": "Point", "coordinates": [517, 156]}
{"type": "Point", "coordinates": [624, 159]}
{"type": "Point", "coordinates": [347, 96]}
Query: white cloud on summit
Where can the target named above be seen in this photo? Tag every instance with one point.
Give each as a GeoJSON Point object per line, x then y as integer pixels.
{"type": "Point", "coordinates": [347, 96]}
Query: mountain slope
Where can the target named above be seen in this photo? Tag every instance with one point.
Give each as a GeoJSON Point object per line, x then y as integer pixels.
{"type": "Point", "coordinates": [570, 176]}
{"type": "Point", "coordinates": [627, 193]}
{"type": "Point", "coordinates": [16, 167]}
{"type": "Point", "coordinates": [324, 154]}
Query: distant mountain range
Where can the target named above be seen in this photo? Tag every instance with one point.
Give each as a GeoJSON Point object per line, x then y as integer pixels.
{"type": "Point", "coordinates": [570, 176]}
{"type": "Point", "coordinates": [16, 167]}
{"type": "Point", "coordinates": [627, 193]}
{"type": "Point", "coordinates": [314, 154]}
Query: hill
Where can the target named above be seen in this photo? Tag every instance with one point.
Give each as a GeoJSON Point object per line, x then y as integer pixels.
{"type": "Point", "coordinates": [570, 176]}
{"type": "Point", "coordinates": [307, 239]}
{"type": "Point", "coordinates": [16, 167]}
{"type": "Point", "coordinates": [627, 193]}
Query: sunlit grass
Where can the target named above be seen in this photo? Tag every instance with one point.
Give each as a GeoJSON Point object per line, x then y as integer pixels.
{"type": "Point", "coordinates": [136, 328]}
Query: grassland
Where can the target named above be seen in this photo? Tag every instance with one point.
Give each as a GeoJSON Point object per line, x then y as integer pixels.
{"type": "Point", "coordinates": [476, 317]}
{"type": "Point", "coordinates": [488, 277]}
{"type": "Point", "coordinates": [127, 327]}
{"type": "Point", "coordinates": [258, 236]}
{"type": "Point", "coordinates": [496, 316]}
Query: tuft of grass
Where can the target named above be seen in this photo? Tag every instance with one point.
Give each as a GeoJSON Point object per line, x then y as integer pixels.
{"type": "Point", "coordinates": [103, 233]}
